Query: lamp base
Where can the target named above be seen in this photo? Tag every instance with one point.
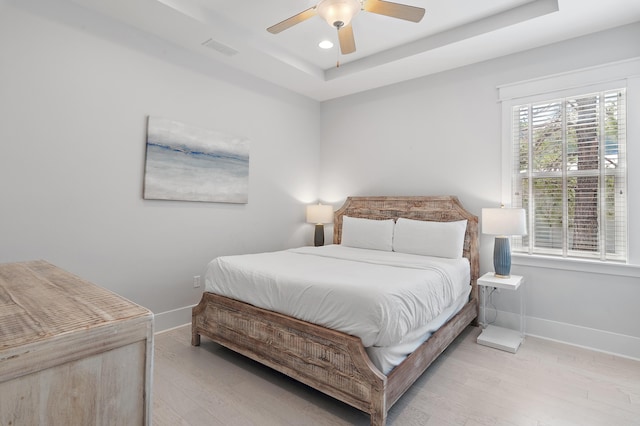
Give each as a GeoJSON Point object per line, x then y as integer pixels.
{"type": "Point", "coordinates": [318, 239]}
{"type": "Point", "coordinates": [502, 257]}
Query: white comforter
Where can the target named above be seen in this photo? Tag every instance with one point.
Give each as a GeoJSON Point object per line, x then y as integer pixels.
{"type": "Point", "coordinates": [378, 296]}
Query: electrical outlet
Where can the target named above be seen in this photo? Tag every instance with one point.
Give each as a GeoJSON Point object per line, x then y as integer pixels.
{"type": "Point", "coordinates": [196, 281]}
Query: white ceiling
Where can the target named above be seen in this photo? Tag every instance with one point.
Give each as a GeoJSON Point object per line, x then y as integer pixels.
{"type": "Point", "coordinates": [453, 33]}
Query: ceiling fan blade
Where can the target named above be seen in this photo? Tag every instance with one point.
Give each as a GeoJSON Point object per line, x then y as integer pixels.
{"type": "Point", "coordinates": [290, 22]}
{"type": "Point", "coordinates": [394, 10]}
{"type": "Point", "coordinates": [347, 41]}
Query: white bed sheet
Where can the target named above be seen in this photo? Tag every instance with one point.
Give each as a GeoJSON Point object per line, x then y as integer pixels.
{"type": "Point", "coordinates": [387, 299]}
{"type": "Point", "coordinates": [387, 357]}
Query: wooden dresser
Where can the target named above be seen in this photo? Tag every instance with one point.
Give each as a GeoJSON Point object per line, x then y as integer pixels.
{"type": "Point", "coordinates": [71, 353]}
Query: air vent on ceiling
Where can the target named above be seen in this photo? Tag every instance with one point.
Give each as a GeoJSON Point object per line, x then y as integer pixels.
{"type": "Point", "coordinates": [222, 48]}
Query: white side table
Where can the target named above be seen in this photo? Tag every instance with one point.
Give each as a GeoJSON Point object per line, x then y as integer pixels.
{"type": "Point", "coordinates": [492, 335]}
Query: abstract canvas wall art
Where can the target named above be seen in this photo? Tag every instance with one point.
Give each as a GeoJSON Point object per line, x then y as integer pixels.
{"type": "Point", "coordinates": [192, 164]}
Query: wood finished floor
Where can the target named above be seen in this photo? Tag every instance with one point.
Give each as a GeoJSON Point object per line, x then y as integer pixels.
{"type": "Point", "coordinates": [545, 383]}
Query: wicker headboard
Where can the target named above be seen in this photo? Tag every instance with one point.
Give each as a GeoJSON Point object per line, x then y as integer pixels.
{"type": "Point", "coordinates": [436, 208]}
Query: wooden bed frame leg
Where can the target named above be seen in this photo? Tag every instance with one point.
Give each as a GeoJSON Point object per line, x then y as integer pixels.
{"type": "Point", "coordinates": [195, 339]}
{"type": "Point", "coordinates": [379, 407]}
{"type": "Point", "coordinates": [378, 419]}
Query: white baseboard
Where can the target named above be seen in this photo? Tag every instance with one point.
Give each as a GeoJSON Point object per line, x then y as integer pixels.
{"type": "Point", "coordinates": [165, 321]}
{"type": "Point", "coordinates": [590, 338]}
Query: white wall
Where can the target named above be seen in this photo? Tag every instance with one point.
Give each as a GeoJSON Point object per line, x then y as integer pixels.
{"type": "Point", "coordinates": [75, 93]}
{"type": "Point", "coordinates": [441, 134]}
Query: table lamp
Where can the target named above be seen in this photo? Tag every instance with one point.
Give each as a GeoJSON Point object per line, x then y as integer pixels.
{"type": "Point", "coordinates": [319, 214]}
{"type": "Point", "coordinates": [503, 222]}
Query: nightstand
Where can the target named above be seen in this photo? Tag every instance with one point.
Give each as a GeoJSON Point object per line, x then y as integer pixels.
{"type": "Point", "coordinates": [499, 337]}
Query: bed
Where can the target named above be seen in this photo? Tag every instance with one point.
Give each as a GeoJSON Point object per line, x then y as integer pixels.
{"type": "Point", "coordinates": [332, 361]}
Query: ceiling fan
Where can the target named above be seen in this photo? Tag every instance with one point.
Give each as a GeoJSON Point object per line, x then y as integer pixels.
{"type": "Point", "coordinates": [338, 14]}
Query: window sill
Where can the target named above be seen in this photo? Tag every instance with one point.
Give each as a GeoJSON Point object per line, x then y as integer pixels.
{"type": "Point", "coordinates": [580, 265]}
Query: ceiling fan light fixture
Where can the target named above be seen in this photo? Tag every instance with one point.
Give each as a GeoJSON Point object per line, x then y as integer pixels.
{"type": "Point", "coordinates": [338, 13]}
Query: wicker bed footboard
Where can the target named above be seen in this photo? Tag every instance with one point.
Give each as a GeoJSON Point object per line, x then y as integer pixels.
{"type": "Point", "coordinates": [327, 360]}
{"type": "Point", "coordinates": [330, 361]}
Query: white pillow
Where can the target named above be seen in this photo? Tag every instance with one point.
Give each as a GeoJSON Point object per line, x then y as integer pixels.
{"type": "Point", "coordinates": [367, 233]}
{"type": "Point", "coordinates": [427, 238]}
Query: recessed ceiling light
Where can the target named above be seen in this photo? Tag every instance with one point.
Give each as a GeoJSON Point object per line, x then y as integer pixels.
{"type": "Point", "coordinates": [325, 44]}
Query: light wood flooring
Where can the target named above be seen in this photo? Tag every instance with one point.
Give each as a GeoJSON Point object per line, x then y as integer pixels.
{"type": "Point", "coordinates": [545, 383]}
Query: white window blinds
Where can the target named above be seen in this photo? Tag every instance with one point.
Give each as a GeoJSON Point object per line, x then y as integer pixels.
{"type": "Point", "coordinates": [569, 174]}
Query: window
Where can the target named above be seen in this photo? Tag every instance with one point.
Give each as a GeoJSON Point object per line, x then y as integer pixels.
{"type": "Point", "coordinates": [569, 174]}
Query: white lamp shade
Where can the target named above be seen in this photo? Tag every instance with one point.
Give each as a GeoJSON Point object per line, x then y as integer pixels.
{"type": "Point", "coordinates": [319, 213]}
{"type": "Point", "coordinates": [504, 221]}
{"type": "Point", "coordinates": [334, 11]}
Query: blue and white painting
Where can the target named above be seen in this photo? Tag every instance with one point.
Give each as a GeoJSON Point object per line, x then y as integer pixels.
{"type": "Point", "coordinates": [192, 164]}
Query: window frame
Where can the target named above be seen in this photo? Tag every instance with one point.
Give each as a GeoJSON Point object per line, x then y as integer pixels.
{"type": "Point", "coordinates": [623, 74]}
{"type": "Point", "coordinates": [565, 175]}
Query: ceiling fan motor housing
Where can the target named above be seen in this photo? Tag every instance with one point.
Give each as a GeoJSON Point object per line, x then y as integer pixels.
{"type": "Point", "coordinates": [338, 13]}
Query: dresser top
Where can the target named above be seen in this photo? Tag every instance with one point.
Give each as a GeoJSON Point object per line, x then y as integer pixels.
{"type": "Point", "coordinates": [39, 301]}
